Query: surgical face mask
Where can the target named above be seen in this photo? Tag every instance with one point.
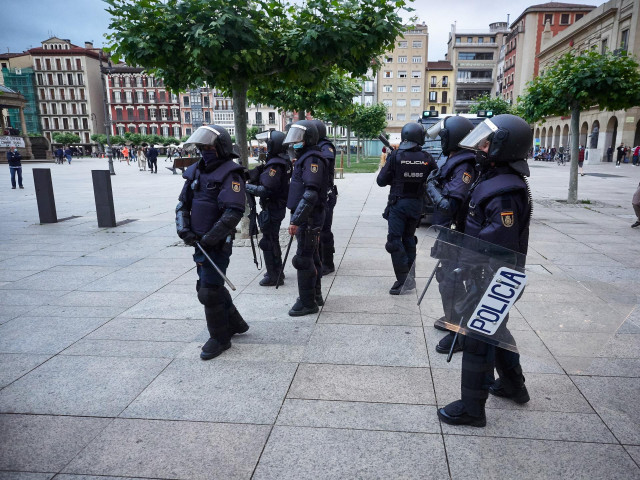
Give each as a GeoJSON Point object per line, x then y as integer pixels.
{"type": "Point", "coordinates": [298, 146]}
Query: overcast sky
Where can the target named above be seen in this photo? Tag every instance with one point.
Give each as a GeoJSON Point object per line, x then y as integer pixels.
{"type": "Point", "coordinates": [31, 21]}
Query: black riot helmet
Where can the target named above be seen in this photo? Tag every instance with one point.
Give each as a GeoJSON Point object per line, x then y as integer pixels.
{"type": "Point", "coordinates": [213, 135]}
{"type": "Point", "coordinates": [302, 131]}
{"type": "Point", "coordinates": [274, 140]}
{"type": "Point", "coordinates": [508, 138]}
{"type": "Point", "coordinates": [322, 129]}
{"type": "Point", "coordinates": [411, 136]}
{"type": "Point", "coordinates": [451, 130]}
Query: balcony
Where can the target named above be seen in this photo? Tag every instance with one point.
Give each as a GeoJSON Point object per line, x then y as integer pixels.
{"type": "Point", "coordinates": [474, 81]}
{"type": "Point", "coordinates": [464, 103]}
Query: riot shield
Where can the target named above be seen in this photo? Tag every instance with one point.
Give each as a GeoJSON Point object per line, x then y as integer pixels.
{"type": "Point", "coordinates": [559, 318]}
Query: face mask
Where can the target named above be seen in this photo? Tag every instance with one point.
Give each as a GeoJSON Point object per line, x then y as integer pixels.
{"type": "Point", "coordinates": [209, 156]}
{"type": "Point", "coordinates": [298, 146]}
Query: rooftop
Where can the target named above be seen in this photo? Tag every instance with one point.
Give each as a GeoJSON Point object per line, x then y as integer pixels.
{"type": "Point", "coordinates": [439, 65]}
{"type": "Point", "coordinates": [554, 7]}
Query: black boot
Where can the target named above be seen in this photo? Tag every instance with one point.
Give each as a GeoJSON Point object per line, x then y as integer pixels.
{"type": "Point", "coordinates": [456, 414]}
{"type": "Point", "coordinates": [402, 285]}
{"type": "Point", "coordinates": [327, 252]}
{"type": "Point", "coordinates": [444, 345]}
{"type": "Point", "coordinates": [236, 322]}
{"type": "Point", "coordinates": [305, 304]}
{"type": "Point", "coordinates": [271, 277]}
{"type": "Point", "coordinates": [319, 299]}
{"type": "Point", "coordinates": [218, 325]}
{"type": "Point", "coordinates": [510, 385]}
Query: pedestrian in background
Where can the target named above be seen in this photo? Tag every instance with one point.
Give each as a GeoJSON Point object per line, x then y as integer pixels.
{"type": "Point", "coordinates": [152, 156]}
{"type": "Point", "coordinates": [59, 156]}
{"type": "Point", "coordinates": [636, 154]}
{"type": "Point", "coordinates": [142, 159]}
{"type": "Point", "coordinates": [68, 153]}
{"type": "Point", "coordinates": [610, 153]}
{"type": "Point", "coordinates": [125, 154]}
{"type": "Point", "coordinates": [15, 166]}
{"type": "Point", "coordinates": [635, 202]}
{"type": "Point", "coordinates": [620, 154]}
{"type": "Point", "coordinates": [581, 160]}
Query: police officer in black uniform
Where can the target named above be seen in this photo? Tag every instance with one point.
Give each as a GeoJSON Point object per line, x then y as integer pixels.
{"type": "Point", "coordinates": [327, 248]}
{"type": "Point", "coordinates": [406, 170]}
{"type": "Point", "coordinates": [210, 207]}
{"type": "Point", "coordinates": [448, 188]}
{"type": "Point", "coordinates": [500, 210]}
{"type": "Point", "coordinates": [307, 202]}
{"type": "Point", "coordinates": [272, 187]}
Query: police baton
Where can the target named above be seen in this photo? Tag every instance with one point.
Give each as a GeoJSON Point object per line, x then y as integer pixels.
{"type": "Point", "coordinates": [284, 262]}
{"type": "Point", "coordinates": [428, 283]}
{"type": "Point", "coordinates": [457, 273]}
{"type": "Point", "coordinates": [213, 264]}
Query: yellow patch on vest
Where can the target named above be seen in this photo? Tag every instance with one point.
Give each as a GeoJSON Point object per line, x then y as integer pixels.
{"type": "Point", "coordinates": [235, 186]}
{"type": "Point", "coordinates": [507, 219]}
{"type": "Point", "coordinates": [272, 172]}
{"type": "Point", "coordinates": [314, 168]}
{"type": "Point", "coordinates": [466, 177]}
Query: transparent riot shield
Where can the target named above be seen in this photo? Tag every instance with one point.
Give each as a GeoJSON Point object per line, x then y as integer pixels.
{"type": "Point", "coordinates": [559, 318]}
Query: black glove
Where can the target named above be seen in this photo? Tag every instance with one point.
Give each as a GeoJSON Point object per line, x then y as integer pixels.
{"type": "Point", "coordinates": [189, 237]}
{"type": "Point", "coordinates": [208, 242]}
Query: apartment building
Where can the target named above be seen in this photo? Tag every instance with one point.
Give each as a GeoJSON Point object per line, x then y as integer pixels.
{"type": "Point", "coordinates": [474, 55]}
{"type": "Point", "coordinates": [69, 88]}
{"type": "Point", "coordinates": [16, 73]}
{"type": "Point", "coordinates": [439, 87]}
{"type": "Point", "coordinates": [523, 42]}
{"type": "Point", "coordinates": [614, 26]}
{"type": "Point", "coordinates": [139, 103]}
{"type": "Point", "coordinates": [401, 78]}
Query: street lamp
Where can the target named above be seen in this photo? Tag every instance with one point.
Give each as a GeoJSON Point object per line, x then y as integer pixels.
{"type": "Point", "coordinates": [107, 113]}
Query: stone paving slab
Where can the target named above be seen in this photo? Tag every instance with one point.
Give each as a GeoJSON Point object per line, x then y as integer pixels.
{"type": "Point", "coordinates": [15, 365]}
{"type": "Point", "coordinates": [143, 329]}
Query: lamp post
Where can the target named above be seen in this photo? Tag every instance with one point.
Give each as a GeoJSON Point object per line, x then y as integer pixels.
{"type": "Point", "coordinates": [107, 113]}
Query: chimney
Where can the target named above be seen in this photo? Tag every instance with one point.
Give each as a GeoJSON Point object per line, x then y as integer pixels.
{"type": "Point", "coordinates": [88, 44]}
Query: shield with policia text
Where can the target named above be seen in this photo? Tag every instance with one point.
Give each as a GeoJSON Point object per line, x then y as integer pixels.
{"type": "Point", "coordinates": [557, 317]}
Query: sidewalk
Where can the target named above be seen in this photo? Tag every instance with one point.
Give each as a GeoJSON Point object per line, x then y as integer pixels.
{"type": "Point", "coordinates": [100, 331]}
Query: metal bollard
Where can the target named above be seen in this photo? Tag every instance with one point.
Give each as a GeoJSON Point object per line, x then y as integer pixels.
{"type": "Point", "coordinates": [44, 195]}
{"type": "Point", "coordinates": [104, 198]}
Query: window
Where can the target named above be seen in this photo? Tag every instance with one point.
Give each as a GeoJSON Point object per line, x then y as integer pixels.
{"type": "Point", "coordinates": [116, 97]}
{"type": "Point", "coordinates": [434, 81]}
{"type": "Point", "coordinates": [564, 19]}
{"type": "Point", "coordinates": [69, 79]}
{"type": "Point", "coordinates": [368, 86]}
{"type": "Point", "coordinates": [603, 48]}
{"type": "Point", "coordinates": [402, 44]}
{"type": "Point", "coordinates": [187, 131]}
{"type": "Point", "coordinates": [402, 74]}
{"type": "Point", "coordinates": [78, 64]}
{"type": "Point", "coordinates": [152, 97]}
{"type": "Point", "coordinates": [433, 96]}
{"type": "Point", "coordinates": [128, 97]}
{"type": "Point", "coordinates": [415, 88]}
{"type": "Point", "coordinates": [163, 114]}
{"type": "Point", "coordinates": [119, 114]}
{"type": "Point", "coordinates": [388, 74]}
{"type": "Point", "coordinates": [47, 63]}
{"type": "Point", "coordinates": [469, 39]}
{"type": "Point", "coordinates": [624, 40]}
{"type": "Point", "coordinates": [444, 110]}
{"type": "Point", "coordinates": [152, 114]}
{"type": "Point", "coordinates": [58, 64]}
{"type": "Point", "coordinates": [389, 117]}
{"type": "Point", "coordinates": [64, 108]}
{"type": "Point", "coordinates": [80, 80]}
{"type": "Point", "coordinates": [176, 131]}
{"type": "Point", "coordinates": [83, 108]}
{"type": "Point", "coordinates": [140, 96]}
{"type": "Point", "coordinates": [39, 66]}
{"type": "Point", "coordinates": [185, 101]}
{"type": "Point", "coordinates": [415, 117]}
{"type": "Point", "coordinates": [272, 118]}
{"type": "Point", "coordinates": [445, 81]}
{"type": "Point", "coordinates": [387, 103]}
{"type": "Point", "coordinates": [579, 16]}
{"type": "Point", "coordinates": [416, 59]}
{"type": "Point", "coordinates": [415, 102]}
{"type": "Point", "coordinates": [475, 56]}
{"type": "Point", "coordinates": [402, 88]}
{"type": "Point", "coordinates": [548, 18]}
{"type": "Point", "coordinates": [388, 59]}
{"type": "Point", "coordinates": [60, 79]}
{"type": "Point", "coordinates": [416, 74]}
{"type": "Point", "coordinates": [387, 88]}
{"type": "Point", "coordinates": [416, 44]}
{"type": "Point", "coordinates": [458, 39]}
{"type": "Point", "coordinates": [401, 117]}
{"type": "Point", "coordinates": [480, 39]}
{"type": "Point", "coordinates": [402, 59]}
{"type": "Point", "coordinates": [444, 97]}
{"type": "Point", "coordinates": [401, 102]}
{"type": "Point", "coordinates": [259, 118]}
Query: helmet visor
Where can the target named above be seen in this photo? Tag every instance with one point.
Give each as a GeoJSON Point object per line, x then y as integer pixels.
{"type": "Point", "coordinates": [433, 132]}
{"type": "Point", "coordinates": [263, 136]}
{"type": "Point", "coordinates": [295, 134]}
{"type": "Point", "coordinates": [204, 135]}
{"type": "Point", "coordinates": [478, 137]}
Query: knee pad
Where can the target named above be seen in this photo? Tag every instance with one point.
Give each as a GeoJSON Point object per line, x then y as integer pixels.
{"type": "Point", "coordinates": [393, 244]}
{"type": "Point", "coordinates": [302, 263]}
{"type": "Point", "coordinates": [265, 243]}
{"type": "Point", "coordinates": [210, 296]}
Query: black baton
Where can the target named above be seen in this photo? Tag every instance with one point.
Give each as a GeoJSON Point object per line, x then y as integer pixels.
{"type": "Point", "coordinates": [213, 264]}
{"type": "Point", "coordinates": [428, 283]}
{"type": "Point", "coordinates": [284, 262]}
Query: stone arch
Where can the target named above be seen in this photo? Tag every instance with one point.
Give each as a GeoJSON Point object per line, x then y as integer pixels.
{"type": "Point", "coordinates": [611, 133]}
{"type": "Point", "coordinates": [584, 131]}
{"type": "Point", "coordinates": [543, 137]}
{"type": "Point", "coordinates": [564, 140]}
{"type": "Point", "coordinates": [595, 133]}
{"type": "Point", "coordinates": [556, 137]}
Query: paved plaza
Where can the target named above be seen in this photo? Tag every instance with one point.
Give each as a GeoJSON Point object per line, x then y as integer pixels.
{"type": "Point", "coordinates": [100, 332]}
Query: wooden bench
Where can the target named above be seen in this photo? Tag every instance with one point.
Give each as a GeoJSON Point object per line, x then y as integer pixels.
{"type": "Point", "coordinates": [182, 163]}
{"type": "Point", "coordinates": [339, 171]}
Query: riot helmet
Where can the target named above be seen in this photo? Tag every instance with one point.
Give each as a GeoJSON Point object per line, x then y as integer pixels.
{"type": "Point", "coordinates": [322, 129]}
{"type": "Point", "coordinates": [411, 136]}
{"type": "Point", "coordinates": [213, 135]}
{"type": "Point", "coordinates": [451, 130]}
{"type": "Point", "coordinates": [274, 140]}
{"type": "Point", "coordinates": [505, 139]}
{"type": "Point", "coordinates": [302, 131]}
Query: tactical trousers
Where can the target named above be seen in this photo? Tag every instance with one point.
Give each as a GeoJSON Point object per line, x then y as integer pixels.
{"type": "Point", "coordinates": [404, 217]}
{"type": "Point", "coordinates": [326, 235]}
{"type": "Point", "coordinates": [207, 275]}
{"type": "Point", "coordinates": [269, 221]}
{"type": "Point", "coordinates": [307, 263]}
{"type": "Point", "coordinates": [450, 287]}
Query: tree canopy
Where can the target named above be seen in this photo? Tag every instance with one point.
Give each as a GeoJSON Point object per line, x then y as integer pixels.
{"type": "Point", "coordinates": [66, 138]}
{"type": "Point", "coordinates": [369, 122]}
{"type": "Point", "coordinates": [497, 105]}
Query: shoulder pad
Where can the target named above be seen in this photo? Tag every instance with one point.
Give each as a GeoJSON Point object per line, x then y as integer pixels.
{"type": "Point", "coordinates": [277, 161]}
{"type": "Point", "coordinates": [226, 168]}
{"type": "Point", "coordinates": [190, 172]}
{"type": "Point", "coordinates": [498, 185]}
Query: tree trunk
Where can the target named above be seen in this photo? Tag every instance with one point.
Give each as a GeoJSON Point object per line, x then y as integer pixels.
{"type": "Point", "coordinates": [348, 146]}
{"type": "Point", "coordinates": [301, 115]}
{"type": "Point", "coordinates": [575, 151]}
{"type": "Point", "coordinates": [358, 149]}
{"type": "Point", "coordinates": [239, 93]}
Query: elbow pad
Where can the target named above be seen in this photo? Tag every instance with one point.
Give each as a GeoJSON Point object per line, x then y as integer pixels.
{"type": "Point", "coordinates": [257, 190]}
{"type": "Point", "coordinates": [224, 227]}
{"type": "Point", "coordinates": [305, 207]}
{"type": "Point", "coordinates": [441, 203]}
{"type": "Point", "coordinates": [183, 219]}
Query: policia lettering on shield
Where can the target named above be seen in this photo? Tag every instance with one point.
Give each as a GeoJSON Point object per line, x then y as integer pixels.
{"type": "Point", "coordinates": [500, 209]}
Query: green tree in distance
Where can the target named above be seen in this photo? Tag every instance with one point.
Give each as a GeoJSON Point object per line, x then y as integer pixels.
{"type": "Point", "coordinates": [578, 82]}
{"type": "Point", "coordinates": [369, 122]}
{"type": "Point", "coordinates": [238, 44]}
{"type": "Point", "coordinates": [66, 138]}
{"type": "Point", "coordinates": [497, 105]}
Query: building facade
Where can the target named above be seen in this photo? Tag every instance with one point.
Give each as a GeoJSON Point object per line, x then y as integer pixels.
{"type": "Point", "coordinates": [524, 40]}
{"type": "Point", "coordinates": [611, 26]}
{"type": "Point", "coordinates": [69, 88]}
{"type": "Point", "coordinates": [16, 73]}
{"type": "Point", "coordinates": [474, 55]}
{"type": "Point", "coordinates": [401, 78]}
{"type": "Point", "coordinates": [439, 86]}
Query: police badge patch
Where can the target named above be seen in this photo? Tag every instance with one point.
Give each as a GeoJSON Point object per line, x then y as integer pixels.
{"type": "Point", "coordinates": [314, 168]}
{"type": "Point", "coordinates": [272, 172]}
{"type": "Point", "coordinates": [332, 150]}
{"type": "Point", "coordinates": [235, 186]}
{"type": "Point", "coordinates": [466, 177]}
{"type": "Point", "coordinates": [507, 219]}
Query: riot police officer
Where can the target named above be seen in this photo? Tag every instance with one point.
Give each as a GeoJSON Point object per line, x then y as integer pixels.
{"type": "Point", "coordinates": [210, 207]}
{"type": "Point", "coordinates": [327, 248]}
{"type": "Point", "coordinates": [307, 202]}
{"type": "Point", "coordinates": [406, 170]}
{"type": "Point", "coordinates": [500, 210]}
{"type": "Point", "coordinates": [448, 188]}
{"type": "Point", "coordinates": [272, 187]}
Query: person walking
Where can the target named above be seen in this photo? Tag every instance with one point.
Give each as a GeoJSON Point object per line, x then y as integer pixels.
{"type": "Point", "coordinates": [59, 156]}
{"type": "Point", "coordinates": [635, 203]}
{"type": "Point", "coordinates": [636, 155]}
{"type": "Point", "coordinates": [68, 153]}
{"type": "Point", "coordinates": [610, 153]}
{"type": "Point", "coordinates": [620, 154]}
{"type": "Point", "coordinates": [15, 166]}
{"type": "Point", "coordinates": [152, 156]}
{"type": "Point", "coordinates": [581, 160]}
{"type": "Point", "coordinates": [142, 160]}
{"type": "Point", "coordinates": [125, 154]}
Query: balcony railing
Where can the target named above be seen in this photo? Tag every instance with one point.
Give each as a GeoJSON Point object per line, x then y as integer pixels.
{"type": "Point", "coordinates": [475, 80]}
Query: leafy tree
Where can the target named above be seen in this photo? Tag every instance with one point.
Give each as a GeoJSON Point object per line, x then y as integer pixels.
{"type": "Point", "coordinates": [100, 139]}
{"type": "Point", "coordinates": [578, 82]}
{"type": "Point", "coordinates": [497, 105]}
{"type": "Point", "coordinates": [184, 138]}
{"type": "Point", "coordinates": [66, 138]}
{"type": "Point", "coordinates": [251, 133]}
{"type": "Point", "coordinates": [237, 44]}
{"type": "Point", "coordinates": [117, 140]}
{"type": "Point", "coordinates": [369, 122]}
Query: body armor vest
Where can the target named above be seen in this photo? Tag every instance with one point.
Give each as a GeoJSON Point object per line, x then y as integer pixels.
{"type": "Point", "coordinates": [410, 172]}
{"type": "Point", "coordinates": [329, 152]}
{"type": "Point", "coordinates": [281, 192]}
{"type": "Point", "coordinates": [297, 186]}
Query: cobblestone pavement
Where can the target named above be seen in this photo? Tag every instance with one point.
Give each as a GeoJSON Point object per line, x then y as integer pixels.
{"type": "Point", "coordinates": [100, 331]}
